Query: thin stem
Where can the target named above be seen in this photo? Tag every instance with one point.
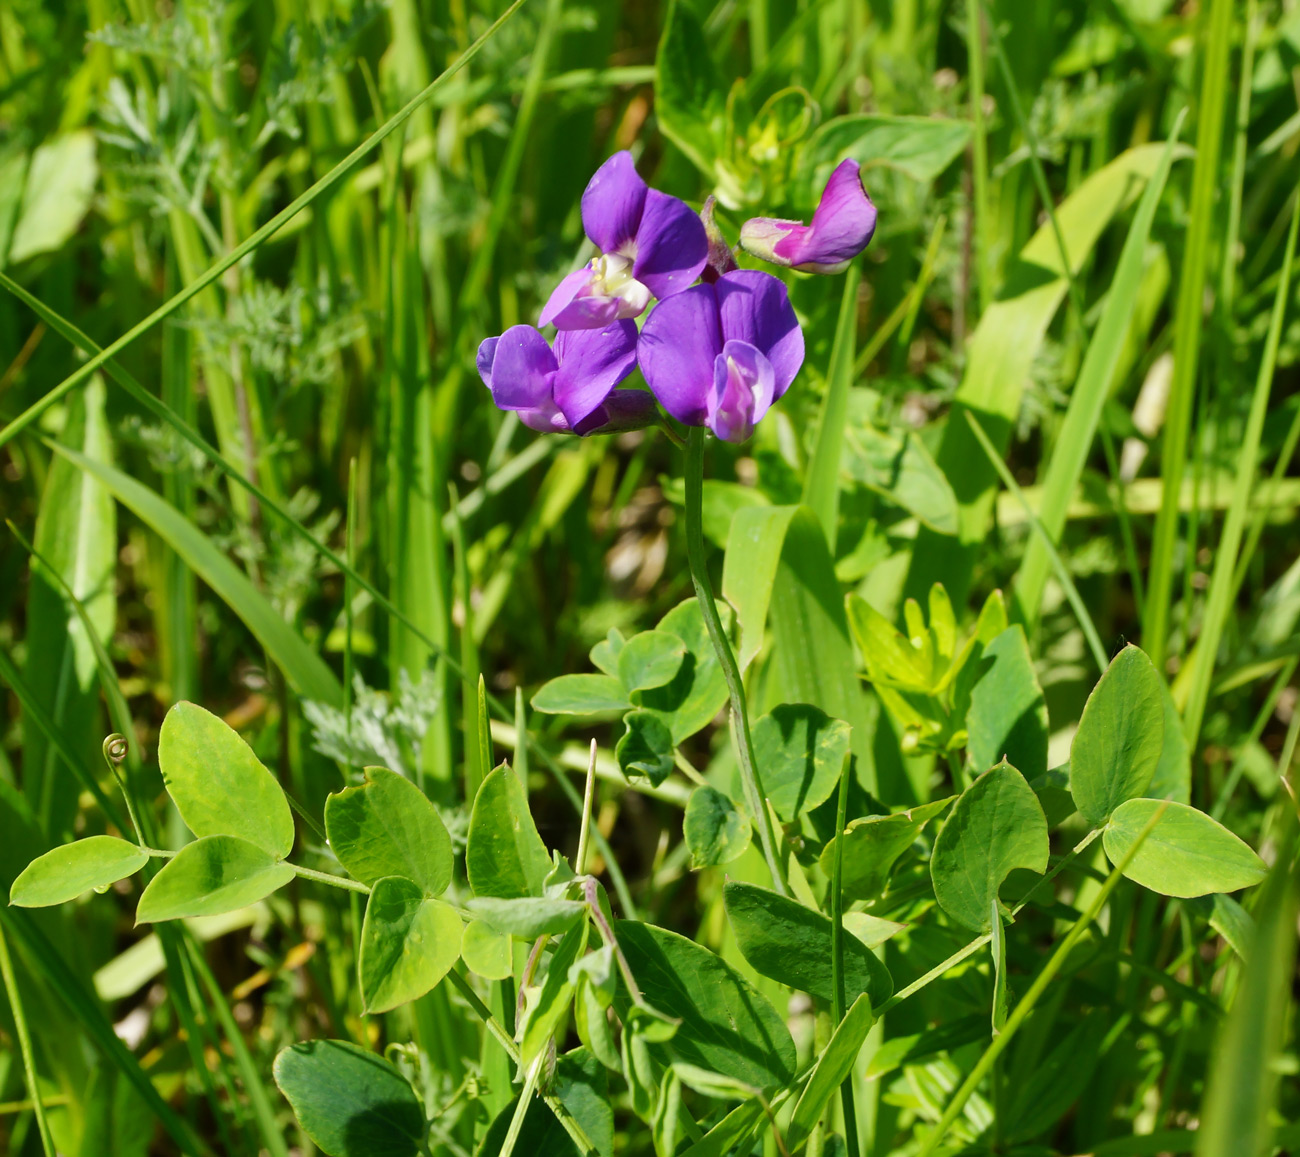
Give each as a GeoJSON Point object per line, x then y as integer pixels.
{"type": "Point", "coordinates": [979, 149]}
{"type": "Point", "coordinates": [25, 1046]}
{"type": "Point", "coordinates": [837, 952]}
{"type": "Point", "coordinates": [333, 881]}
{"type": "Point", "coordinates": [587, 796]}
{"type": "Point", "coordinates": [521, 1108]}
{"type": "Point", "coordinates": [937, 971]}
{"type": "Point", "coordinates": [727, 660]}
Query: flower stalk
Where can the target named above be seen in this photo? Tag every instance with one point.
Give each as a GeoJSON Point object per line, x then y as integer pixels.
{"type": "Point", "coordinates": [749, 775]}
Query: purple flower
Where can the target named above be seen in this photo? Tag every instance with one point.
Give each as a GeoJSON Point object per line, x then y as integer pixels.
{"type": "Point", "coordinates": [720, 354]}
{"type": "Point", "coordinates": [651, 245]}
{"type": "Point", "coordinates": [568, 389]}
{"type": "Point", "coordinates": [841, 228]}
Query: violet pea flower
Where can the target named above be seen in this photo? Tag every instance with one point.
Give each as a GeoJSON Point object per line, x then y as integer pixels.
{"type": "Point", "coordinates": [720, 354]}
{"type": "Point", "coordinates": [651, 245]}
{"type": "Point", "coordinates": [841, 228]}
{"type": "Point", "coordinates": [568, 389]}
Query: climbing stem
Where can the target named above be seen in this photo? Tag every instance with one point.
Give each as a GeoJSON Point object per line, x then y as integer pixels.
{"type": "Point", "coordinates": [749, 775]}
{"type": "Point", "coordinates": [837, 952]}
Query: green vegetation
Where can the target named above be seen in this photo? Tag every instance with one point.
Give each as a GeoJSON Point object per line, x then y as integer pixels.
{"type": "Point", "coordinates": [382, 778]}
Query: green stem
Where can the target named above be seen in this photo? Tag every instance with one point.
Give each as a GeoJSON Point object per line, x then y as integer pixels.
{"type": "Point", "coordinates": [979, 149]}
{"type": "Point", "coordinates": [333, 881]}
{"type": "Point", "coordinates": [1036, 990]}
{"type": "Point", "coordinates": [25, 1046]}
{"type": "Point", "coordinates": [837, 952]}
{"type": "Point", "coordinates": [749, 775]}
{"type": "Point", "coordinates": [521, 1108]}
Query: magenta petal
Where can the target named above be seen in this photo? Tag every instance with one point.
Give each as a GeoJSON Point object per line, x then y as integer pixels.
{"type": "Point", "coordinates": [679, 342]}
{"type": "Point", "coordinates": [755, 308]}
{"type": "Point", "coordinates": [743, 391]}
{"type": "Point", "coordinates": [842, 225]}
{"type": "Point", "coordinates": [523, 370]}
{"type": "Point", "coordinates": [671, 245]}
{"type": "Point", "coordinates": [612, 203]}
{"type": "Point", "coordinates": [622, 410]}
{"type": "Point", "coordinates": [486, 352]}
{"type": "Point", "coordinates": [592, 363]}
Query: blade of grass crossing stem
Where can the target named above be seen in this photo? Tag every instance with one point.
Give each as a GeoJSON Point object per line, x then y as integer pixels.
{"type": "Point", "coordinates": [25, 1046]}
{"type": "Point", "coordinates": [1188, 322]}
{"type": "Point", "coordinates": [1034, 993]}
{"type": "Point", "coordinates": [821, 489]}
{"type": "Point", "coordinates": [1217, 602]}
{"type": "Point", "coordinates": [1057, 564]}
{"type": "Point", "coordinates": [1236, 1116]}
{"type": "Point", "coordinates": [470, 676]}
{"type": "Point", "coordinates": [1091, 389]}
{"type": "Point", "coordinates": [837, 953]}
{"type": "Point", "coordinates": [240, 251]}
{"type": "Point", "coordinates": [979, 152]}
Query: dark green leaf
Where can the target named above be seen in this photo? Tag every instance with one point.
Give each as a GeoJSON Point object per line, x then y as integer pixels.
{"type": "Point", "coordinates": [800, 751]}
{"type": "Point", "coordinates": [872, 845]}
{"type": "Point", "coordinates": [645, 748]}
{"type": "Point", "coordinates": [697, 692]}
{"type": "Point", "coordinates": [714, 830]}
{"type": "Point", "coordinates": [408, 943]}
{"type": "Point", "coordinates": [690, 100]}
{"type": "Point", "coordinates": [921, 147]}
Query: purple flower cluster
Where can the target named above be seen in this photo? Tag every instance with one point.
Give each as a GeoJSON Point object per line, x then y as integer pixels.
{"type": "Point", "coordinates": [719, 348]}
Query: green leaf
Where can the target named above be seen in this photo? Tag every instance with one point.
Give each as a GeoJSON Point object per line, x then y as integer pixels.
{"type": "Point", "coordinates": [995, 826]}
{"type": "Point", "coordinates": [65, 872]}
{"type": "Point", "coordinates": [645, 748]}
{"type": "Point", "coordinates": [650, 659]}
{"type": "Point", "coordinates": [1007, 716]}
{"type": "Point", "coordinates": [873, 843]}
{"type": "Point", "coordinates": [528, 919]}
{"type": "Point", "coordinates": [593, 1026]}
{"type": "Point", "coordinates": [218, 785]}
{"type": "Point", "coordinates": [1120, 738]}
{"type": "Point", "coordinates": [800, 751]}
{"type": "Point", "coordinates": [787, 942]}
{"type": "Point", "coordinates": [1186, 854]}
{"type": "Point", "coordinates": [387, 827]}
{"type": "Point", "coordinates": [691, 699]}
{"type": "Point", "coordinates": [690, 101]}
{"type": "Point", "coordinates": [1173, 775]}
{"type": "Point", "coordinates": [581, 695]}
{"type": "Point", "coordinates": [714, 830]}
{"type": "Point", "coordinates": [582, 1087]}
{"type": "Point", "coordinates": [59, 191]}
{"type": "Point", "coordinates": [305, 670]}
{"type": "Point", "coordinates": [214, 874]}
{"type": "Point", "coordinates": [736, 1127]}
{"type": "Point", "coordinates": [408, 943]}
{"type": "Point", "coordinates": [902, 470]}
{"type": "Point", "coordinates": [604, 654]}
{"type": "Point", "coordinates": [544, 1018]}
{"type": "Point", "coordinates": [919, 147]}
{"type": "Point", "coordinates": [504, 855]}
{"type": "Point", "coordinates": [890, 658]}
{"type": "Point", "coordinates": [834, 1064]}
{"type": "Point", "coordinates": [727, 1025]}
{"type": "Point", "coordinates": [350, 1102]}
{"type": "Point", "coordinates": [487, 952]}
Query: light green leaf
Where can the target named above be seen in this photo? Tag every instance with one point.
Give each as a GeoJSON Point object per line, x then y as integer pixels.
{"type": "Point", "coordinates": [504, 855]}
{"type": "Point", "coordinates": [1121, 734]}
{"type": "Point", "coordinates": [581, 695]}
{"type": "Point", "coordinates": [650, 659]}
{"type": "Point", "coordinates": [645, 748]}
{"type": "Point", "coordinates": [63, 873]}
{"type": "Point", "coordinates": [1186, 854]}
{"type": "Point", "coordinates": [800, 751]}
{"type": "Point", "coordinates": [792, 944]}
{"type": "Point", "coordinates": [714, 830]}
{"type": "Point", "coordinates": [218, 785]}
{"type": "Point", "coordinates": [920, 147]}
{"type": "Point", "coordinates": [58, 194]}
{"type": "Point", "coordinates": [889, 656]}
{"type": "Point", "coordinates": [1007, 716]}
{"type": "Point", "coordinates": [544, 1017]}
{"type": "Point", "coordinates": [388, 827]}
{"type": "Point", "coordinates": [690, 100]}
{"type": "Point", "coordinates": [834, 1064]}
{"type": "Point", "coordinates": [486, 952]}
{"type": "Point", "coordinates": [996, 825]}
{"type": "Point", "coordinates": [604, 654]}
{"type": "Point", "coordinates": [727, 1025]}
{"type": "Point", "coordinates": [349, 1101]}
{"type": "Point", "coordinates": [736, 1127]}
{"type": "Point", "coordinates": [408, 943]}
{"type": "Point", "coordinates": [1173, 775]}
{"type": "Point", "coordinates": [212, 875]}
{"type": "Point", "coordinates": [749, 570]}
{"type": "Point", "coordinates": [527, 918]}
{"type": "Point", "coordinates": [697, 692]}
{"type": "Point", "coordinates": [902, 470]}
{"type": "Point", "coordinates": [306, 672]}
{"type": "Point", "coordinates": [873, 843]}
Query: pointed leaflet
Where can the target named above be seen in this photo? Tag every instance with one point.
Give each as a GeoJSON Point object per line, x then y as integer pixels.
{"type": "Point", "coordinates": [350, 1101]}
{"type": "Point", "coordinates": [544, 1017]}
{"type": "Point", "coordinates": [1007, 716]}
{"type": "Point", "coordinates": [873, 843]}
{"type": "Point", "coordinates": [65, 872]}
{"type": "Point", "coordinates": [1120, 738]}
{"type": "Point", "coordinates": [408, 943]}
{"type": "Point", "coordinates": [214, 874]}
{"type": "Point", "coordinates": [388, 827]}
{"type": "Point", "coordinates": [788, 942]}
{"type": "Point", "coordinates": [504, 855]}
{"type": "Point", "coordinates": [995, 826]}
{"type": "Point", "coordinates": [218, 785]}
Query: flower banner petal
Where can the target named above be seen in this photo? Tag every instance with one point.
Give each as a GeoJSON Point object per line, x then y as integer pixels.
{"type": "Point", "coordinates": [671, 245]}
{"type": "Point", "coordinates": [612, 203]}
